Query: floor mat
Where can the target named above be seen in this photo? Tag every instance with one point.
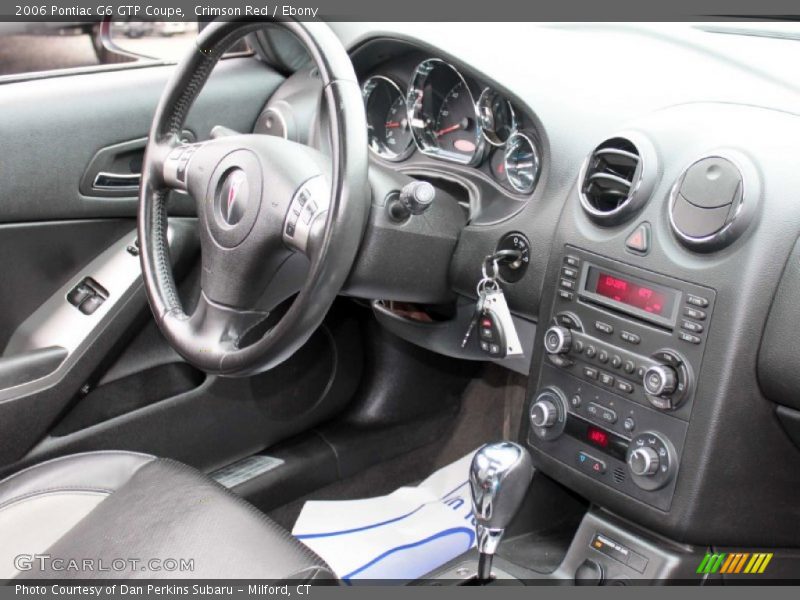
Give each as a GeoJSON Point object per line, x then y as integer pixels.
{"type": "Point", "coordinates": [400, 536]}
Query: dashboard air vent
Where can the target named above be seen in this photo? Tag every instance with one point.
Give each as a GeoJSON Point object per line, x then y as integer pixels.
{"type": "Point", "coordinates": [710, 205]}
{"type": "Point", "coordinates": [610, 182]}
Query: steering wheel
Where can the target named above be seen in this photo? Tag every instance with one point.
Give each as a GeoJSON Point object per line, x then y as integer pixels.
{"type": "Point", "coordinates": [260, 200]}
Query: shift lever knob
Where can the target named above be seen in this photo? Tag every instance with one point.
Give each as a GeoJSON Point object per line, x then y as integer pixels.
{"type": "Point", "coordinates": [499, 477]}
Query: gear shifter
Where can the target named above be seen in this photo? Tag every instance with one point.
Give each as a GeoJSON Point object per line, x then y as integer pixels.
{"type": "Point", "coordinates": [499, 477]}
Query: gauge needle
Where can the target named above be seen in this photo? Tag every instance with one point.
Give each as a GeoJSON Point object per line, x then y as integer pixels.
{"type": "Point", "coordinates": [462, 124]}
{"type": "Point", "coordinates": [393, 124]}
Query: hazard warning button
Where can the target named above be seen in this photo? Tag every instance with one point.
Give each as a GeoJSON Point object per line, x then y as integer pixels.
{"type": "Point", "coordinates": [639, 240]}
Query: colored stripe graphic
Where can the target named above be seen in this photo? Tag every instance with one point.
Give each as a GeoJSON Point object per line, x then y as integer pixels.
{"type": "Point", "coordinates": [734, 563]}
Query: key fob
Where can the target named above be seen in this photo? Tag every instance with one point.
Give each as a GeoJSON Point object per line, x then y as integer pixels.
{"type": "Point", "coordinates": [491, 336]}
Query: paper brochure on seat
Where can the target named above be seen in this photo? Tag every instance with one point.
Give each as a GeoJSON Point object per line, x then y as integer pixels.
{"type": "Point", "coordinates": [401, 536]}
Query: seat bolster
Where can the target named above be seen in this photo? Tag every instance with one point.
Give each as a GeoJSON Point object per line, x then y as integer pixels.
{"type": "Point", "coordinates": [104, 472]}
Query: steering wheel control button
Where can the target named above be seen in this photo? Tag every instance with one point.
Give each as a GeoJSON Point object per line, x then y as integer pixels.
{"type": "Point", "coordinates": [308, 202]}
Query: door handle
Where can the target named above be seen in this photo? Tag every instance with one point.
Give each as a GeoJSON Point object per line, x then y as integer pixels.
{"type": "Point", "coordinates": [117, 181]}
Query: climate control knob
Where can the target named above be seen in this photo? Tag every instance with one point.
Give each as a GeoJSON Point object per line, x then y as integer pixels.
{"type": "Point", "coordinates": [660, 380]}
{"type": "Point", "coordinates": [643, 462]}
{"type": "Point", "coordinates": [557, 340]}
{"type": "Point", "coordinates": [543, 413]}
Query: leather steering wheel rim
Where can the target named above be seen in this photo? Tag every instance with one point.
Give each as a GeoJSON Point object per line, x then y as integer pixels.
{"type": "Point", "coordinates": [218, 348]}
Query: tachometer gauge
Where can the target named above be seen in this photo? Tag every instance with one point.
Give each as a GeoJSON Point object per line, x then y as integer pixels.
{"type": "Point", "coordinates": [498, 120]}
{"type": "Point", "coordinates": [522, 163]}
{"type": "Point", "coordinates": [441, 110]}
{"type": "Point", "coordinates": [387, 124]}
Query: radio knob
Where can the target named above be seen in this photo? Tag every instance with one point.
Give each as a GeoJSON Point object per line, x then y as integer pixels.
{"type": "Point", "coordinates": [643, 462]}
{"type": "Point", "coordinates": [660, 380]}
{"type": "Point", "coordinates": [543, 413]}
{"type": "Point", "coordinates": [557, 340]}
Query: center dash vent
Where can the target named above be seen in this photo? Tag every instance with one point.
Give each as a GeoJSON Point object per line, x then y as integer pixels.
{"type": "Point", "coordinates": [611, 182]}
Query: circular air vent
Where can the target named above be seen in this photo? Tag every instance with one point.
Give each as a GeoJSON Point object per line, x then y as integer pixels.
{"type": "Point", "coordinates": [708, 206]}
{"type": "Point", "coordinates": [613, 180]}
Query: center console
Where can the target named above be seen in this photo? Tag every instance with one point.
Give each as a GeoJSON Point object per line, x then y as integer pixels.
{"type": "Point", "coordinates": [616, 391]}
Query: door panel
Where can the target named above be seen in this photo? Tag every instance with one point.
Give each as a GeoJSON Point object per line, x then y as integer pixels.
{"type": "Point", "coordinates": [115, 383]}
{"type": "Point", "coordinates": [52, 128]}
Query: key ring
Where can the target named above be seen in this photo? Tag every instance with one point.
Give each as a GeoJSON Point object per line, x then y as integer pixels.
{"type": "Point", "coordinates": [495, 267]}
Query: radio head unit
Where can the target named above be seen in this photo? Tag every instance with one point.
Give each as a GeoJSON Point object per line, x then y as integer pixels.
{"type": "Point", "coordinates": [631, 295]}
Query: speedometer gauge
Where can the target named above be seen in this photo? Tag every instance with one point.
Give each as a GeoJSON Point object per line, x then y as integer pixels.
{"type": "Point", "coordinates": [387, 124]}
{"type": "Point", "coordinates": [442, 113]}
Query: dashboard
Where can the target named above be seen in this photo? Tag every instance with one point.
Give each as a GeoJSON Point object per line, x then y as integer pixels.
{"type": "Point", "coordinates": [649, 173]}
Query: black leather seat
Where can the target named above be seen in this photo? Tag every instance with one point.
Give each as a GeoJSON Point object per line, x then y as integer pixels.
{"type": "Point", "coordinates": [103, 506]}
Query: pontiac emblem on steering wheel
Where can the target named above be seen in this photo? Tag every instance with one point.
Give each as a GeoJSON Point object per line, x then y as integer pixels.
{"type": "Point", "coordinates": [233, 197]}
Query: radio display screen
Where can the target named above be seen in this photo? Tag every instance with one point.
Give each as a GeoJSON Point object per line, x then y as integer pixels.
{"type": "Point", "coordinates": [641, 295]}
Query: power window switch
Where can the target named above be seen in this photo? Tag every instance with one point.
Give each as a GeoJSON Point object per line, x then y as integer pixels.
{"type": "Point", "coordinates": [79, 294]}
{"type": "Point", "coordinates": [91, 304]}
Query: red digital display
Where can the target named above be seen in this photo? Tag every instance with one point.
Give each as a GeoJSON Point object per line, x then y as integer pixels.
{"type": "Point", "coordinates": [597, 436]}
{"type": "Point", "coordinates": [632, 294]}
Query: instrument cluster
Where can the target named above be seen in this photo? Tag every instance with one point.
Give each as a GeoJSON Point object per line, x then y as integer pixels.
{"type": "Point", "coordinates": [445, 115]}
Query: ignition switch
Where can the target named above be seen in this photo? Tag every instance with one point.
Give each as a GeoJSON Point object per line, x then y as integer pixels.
{"type": "Point", "coordinates": [513, 271]}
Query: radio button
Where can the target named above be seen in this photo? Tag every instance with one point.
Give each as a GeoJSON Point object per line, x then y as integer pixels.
{"type": "Point", "coordinates": [629, 366]}
{"type": "Point", "coordinates": [567, 284]}
{"type": "Point", "coordinates": [569, 272]}
{"type": "Point", "coordinates": [572, 261]}
{"type": "Point", "coordinates": [616, 361]}
{"type": "Point", "coordinates": [629, 424]}
{"type": "Point", "coordinates": [631, 338]}
{"type": "Point", "coordinates": [624, 386]}
{"type": "Point", "coordinates": [607, 379]}
{"type": "Point", "coordinates": [565, 295]}
{"type": "Point", "coordinates": [591, 351]}
{"type": "Point", "coordinates": [568, 320]}
{"type": "Point", "coordinates": [557, 340]}
{"type": "Point", "coordinates": [691, 326]}
{"type": "Point", "coordinates": [697, 301]}
{"type": "Point", "coordinates": [688, 337]}
{"type": "Point", "coordinates": [694, 313]}
{"type": "Point", "coordinates": [590, 372]}
{"type": "Point", "coordinates": [603, 327]}
{"type": "Point", "coordinates": [602, 356]}
{"type": "Point", "coordinates": [576, 401]}
{"type": "Point", "coordinates": [578, 346]}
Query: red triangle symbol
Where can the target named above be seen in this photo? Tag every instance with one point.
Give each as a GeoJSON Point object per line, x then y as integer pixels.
{"type": "Point", "coordinates": [636, 239]}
